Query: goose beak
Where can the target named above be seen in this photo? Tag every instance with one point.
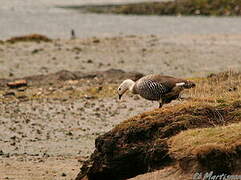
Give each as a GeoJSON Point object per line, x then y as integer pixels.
{"type": "Point", "coordinates": [120, 96]}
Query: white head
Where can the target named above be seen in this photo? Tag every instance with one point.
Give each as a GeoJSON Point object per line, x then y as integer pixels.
{"type": "Point", "coordinates": [127, 84]}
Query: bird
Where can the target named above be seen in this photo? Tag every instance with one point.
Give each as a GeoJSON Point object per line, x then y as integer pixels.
{"type": "Point", "coordinates": [156, 87]}
{"type": "Point", "coordinates": [73, 34]}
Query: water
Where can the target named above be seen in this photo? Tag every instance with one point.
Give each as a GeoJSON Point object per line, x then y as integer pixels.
{"type": "Point", "coordinates": [19, 17]}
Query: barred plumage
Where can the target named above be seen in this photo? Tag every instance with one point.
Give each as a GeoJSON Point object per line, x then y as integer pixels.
{"type": "Point", "coordinates": [156, 87]}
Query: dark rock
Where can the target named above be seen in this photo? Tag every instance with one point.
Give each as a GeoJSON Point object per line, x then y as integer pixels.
{"type": "Point", "coordinates": [63, 174]}
{"type": "Point", "coordinates": [89, 61]}
{"type": "Point", "coordinates": [95, 40]}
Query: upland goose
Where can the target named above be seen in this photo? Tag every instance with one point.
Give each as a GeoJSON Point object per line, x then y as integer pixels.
{"type": "Point", "coordinates": [156, 87]}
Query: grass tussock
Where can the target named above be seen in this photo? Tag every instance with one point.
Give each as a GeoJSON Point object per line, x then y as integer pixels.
{"type": "Point", "coordinates": [219, 88]}
{"type": "Point", "coordinates": [210, 149]}
{"type": "Point", "coordinates": [177, 7]}
{"type": "Point", "coordinates": [214, 97]}
{"type": "Point", "coordinates": [29, 38]}
{"type": "Point", "coordinates": [183, 117]}
{"type": "Point", "coordinates": [198, 141]}
{"type": "Point", "coordinates": [201, 134]}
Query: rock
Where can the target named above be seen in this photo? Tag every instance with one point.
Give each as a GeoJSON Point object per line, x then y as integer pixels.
{"type": "Point", "coordinates": [63, 174]}
{"type": "Point", "coordinates": [95, 40]}
{"type": "Point", "coordinates": [17, 83]}
{"type": "Point", "coordinates": [89, 61]}
{"type": "Point", "coordinates": [9, 93]}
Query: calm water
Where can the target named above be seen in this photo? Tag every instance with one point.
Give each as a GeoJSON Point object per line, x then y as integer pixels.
{"type": "Point", "coordinates": [19, 17]}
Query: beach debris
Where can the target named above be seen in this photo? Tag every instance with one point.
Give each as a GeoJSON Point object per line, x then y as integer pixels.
{"type": "Point", "coordinates": [17, 83]}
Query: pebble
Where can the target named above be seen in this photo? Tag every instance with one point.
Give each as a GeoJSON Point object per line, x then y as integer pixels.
{"type": "Point", "coordinates": [63, 174]}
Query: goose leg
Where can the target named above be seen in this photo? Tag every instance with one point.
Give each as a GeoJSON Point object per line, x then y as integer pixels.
{"type": "Point", "coordinates": [180, 98]}
{"type": "Point", "coordinates": [160, 103]}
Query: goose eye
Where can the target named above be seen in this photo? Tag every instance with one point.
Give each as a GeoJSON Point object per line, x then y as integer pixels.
{"type": "Point", "coordinates": [119, 89]}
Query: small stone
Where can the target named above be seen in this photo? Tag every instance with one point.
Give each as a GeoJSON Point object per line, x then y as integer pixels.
{"type": "Point", "coordinates": [89, 61]}
{"type": "Point", "coordinates": [136, 97]}
{"type": "Point", "coordinates": [121, 61]}
{"type": "Point", "coordinates": [131, 109]}
{"type": "Point", "coordinates": [22, 97]}
{"type": "Point", "coordinates": [9, 93]}
{"type": "Point", "coordinates": [6, 155]}
{"type": "Point", "coordinates": [17, 83]}
{"type": "Point", "coordinates": [36, 51]}
{"type": "Point", "coordinates": [144, 49]}
{"type": "Point", "coordinates": [21, 89]}
{"type": "Point", "coordinates": [78, 49]}
{"type": "Point", "coordinates": [95, 40]}
{"type": "Point", "coordinates": [63, 174]}
{"type": "Point", "coordinates": [69, 134]}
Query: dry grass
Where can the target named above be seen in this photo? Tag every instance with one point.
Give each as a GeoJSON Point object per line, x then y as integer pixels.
{"type": "Point", "coordinates": [196, 139]}
{"type": "Point", "coordinates": [210, 97]}
{"type": "Point", "coordinates": [29, 38]}
{"type": "Point", "coordinates": [217, 88]}
{"type": "Point", "coordinates": [177, 7]}
{"type": "Point", "coordinates": [214, 105]}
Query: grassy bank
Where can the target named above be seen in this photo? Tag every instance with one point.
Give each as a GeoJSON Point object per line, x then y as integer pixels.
{"type": "Point", "coordinates": [209, 121]}
{"type": "Point", "coordinates": [177, 7]}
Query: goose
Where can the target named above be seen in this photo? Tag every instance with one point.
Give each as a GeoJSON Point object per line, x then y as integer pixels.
{"type": "Point", "coordinates": [156, 87]}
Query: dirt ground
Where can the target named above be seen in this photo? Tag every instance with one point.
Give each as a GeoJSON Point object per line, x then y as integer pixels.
{"type": "Point", "coordinates": [185, 56]}
{"type": "Point", "coordinates": [48, 130]}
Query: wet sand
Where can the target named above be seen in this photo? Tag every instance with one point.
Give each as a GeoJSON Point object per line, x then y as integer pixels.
{"type": "Point", "coordinates": [183, 56]}
{"type": "Point", "coordinates": [49, 137]}
{"type": "Point", "coordinates": [43, 134]}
